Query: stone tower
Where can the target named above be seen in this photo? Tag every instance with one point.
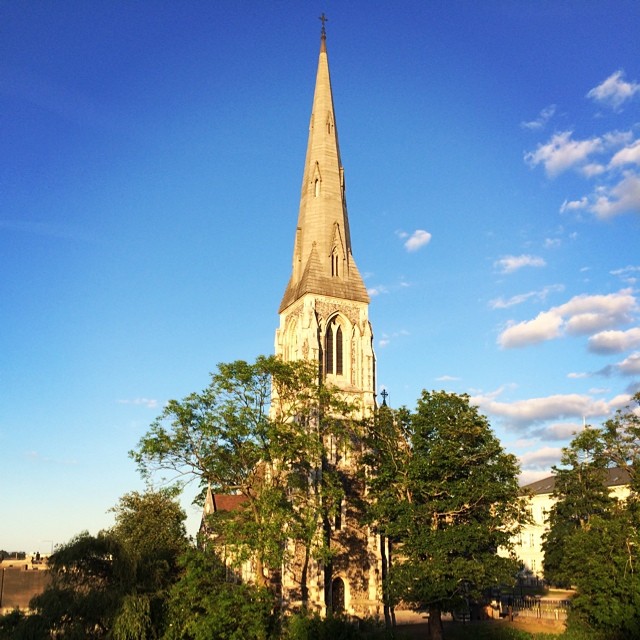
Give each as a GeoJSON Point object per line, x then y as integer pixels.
{"type": "Point", "coordinates": [324, 318]}
{"type": "Point", "coordinates": [324, 313]}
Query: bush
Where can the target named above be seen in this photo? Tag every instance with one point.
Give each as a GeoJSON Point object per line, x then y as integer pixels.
{"type": "Point", "coordinates": [313, 627]}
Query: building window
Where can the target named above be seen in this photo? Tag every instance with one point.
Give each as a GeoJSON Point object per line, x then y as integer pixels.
{"type": "Point", "coordinates": [339, 351]}
{"type": "Point", "coordinates": [335, 261]}
{"type": "Point", "coordinates": [334, 348]}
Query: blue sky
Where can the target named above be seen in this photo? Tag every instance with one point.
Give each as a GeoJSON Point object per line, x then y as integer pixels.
{"type": "Point", "coordinates": [151, 155]}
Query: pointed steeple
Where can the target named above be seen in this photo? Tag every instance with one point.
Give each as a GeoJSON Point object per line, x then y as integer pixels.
{"type": "Point", "coordinates": [322, 259]}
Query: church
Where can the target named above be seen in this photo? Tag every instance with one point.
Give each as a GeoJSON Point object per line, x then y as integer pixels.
{"type": "Point", "coordinates": [324, 319]}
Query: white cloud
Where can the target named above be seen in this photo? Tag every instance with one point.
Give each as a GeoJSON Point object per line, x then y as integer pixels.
{"type": "Point", "coordinates": [627, 274]}
{"type": "Point", "coordinates": [145, 402]}
{"type": "Point", "coordinates": [541, 294]}
{"type": "Point", "coordinates": [552, 243]}
{"type": "Point", "coordinates": [386, 338]}
{"type": "Point", "coordinates": [559, 431]}
{"type": "Point", "coordinates": [574, 205]}
{"type": "Point", "coordinates": [521, 413]}
{"type": "Point", "coordinates": [630, 366]}
{"type": "Point", "coordinates": [599, 311]}
{"type": "Point", "coordinates": [598, 158]}
{"type": "Point", "coordinates": [578, 376]}
{"type": "Point", "coordinates": [623, 197]}
{"type": "Point", "coordinates": [376, 291]}
{"type": "Point", "coordinates": [381, 289]}
{"type": "Point", "coordinates": [509, 264]}
{"type": "Point", "coordinates": [545, 326]}
{"type": "Point", "coordinates": [543, 117]}
{"type": "Point", "coordinates": [628, 155]}
{"type": "Point", "coordinates": [614, 91]}
{"type": "Point", "coordinates": [586, 323]}
{"type": "Point", "coordinates": [562, 153]}
{"type": "Point", "coordinates": [528, 476]}
{"type": "Point", "coordinates": [542, 458]}
{"type": "Point", "coordinates": [446, 378]}
{"type": "Point", "coordinates": [592, 169]}
{"type": "Point", "coordinates": [418, 239]}
{"type": "Point", "coordinates": [619, 304]}
{"type": "Point", "coordinates": [615, 341]}
{"type": "Point", "coordinates": [582, 315]}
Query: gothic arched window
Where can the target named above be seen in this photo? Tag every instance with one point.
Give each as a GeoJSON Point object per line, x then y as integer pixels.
{"type": "Point", "coordinates": [334, 348]}
{"type": "Point", "coordinates": [335, 261]}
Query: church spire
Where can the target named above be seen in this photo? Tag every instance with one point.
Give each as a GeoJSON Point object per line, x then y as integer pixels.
{"type": "Point", "coordinates": [322, 259]}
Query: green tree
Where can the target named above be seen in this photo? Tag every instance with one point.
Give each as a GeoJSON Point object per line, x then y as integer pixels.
{"type": "Point", "coordinates": [204, 604]}
{"type": "Point", "coordinates": [150, 526]}
{"type": "Point", "coordinates": [593, 541]}
{"type": "Point", "coordinates": [114, 584]}
{"type": "Point", "coordinates": [447, 495]}
{"type": "Point", "coordinates": [90, 576]}
{"type": "Point", "coordinates": [259, 430]}
{"type": "Point", "coordinates": [622, 438]}
{"type": "Point", "coordinates": [603, 559]}
{"type": "Point", "coordinates": [17, 625]}
{"type": "Point", "coordinates": [581, 493]}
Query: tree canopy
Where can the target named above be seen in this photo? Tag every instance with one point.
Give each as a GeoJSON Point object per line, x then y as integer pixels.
{"type": "Point", "coordinates": [593, 541]}
{"type": "Point", "coordinates": [114, 584]}
{"type": "Point", "coordinates": [262, 431]}
{"type": "Point", "coordinates": [446, 495]}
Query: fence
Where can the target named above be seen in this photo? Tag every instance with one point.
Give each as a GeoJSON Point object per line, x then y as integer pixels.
{"type": "Point", "coordinates": [537, 607]}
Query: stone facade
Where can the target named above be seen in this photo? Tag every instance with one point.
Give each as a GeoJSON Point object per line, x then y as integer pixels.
{"type": "Point", "coordinates": [324, 318]}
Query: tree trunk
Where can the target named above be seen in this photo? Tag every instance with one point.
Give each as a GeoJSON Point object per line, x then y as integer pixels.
{"type": "Point", "coordinates": [304, 588]}
{"type": "Point", "coordinates": [385, 562]}
{"type": "Point", "coordinates": [435, 623]}
{"type": "Point", "coordinates": [261, 581]}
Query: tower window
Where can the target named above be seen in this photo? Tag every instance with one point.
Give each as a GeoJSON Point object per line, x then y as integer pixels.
{"type": "Point", "coordinates": [339, 351]}
{"type": "Point", "coordinates": [334, 348]}
{"type": "Point", "coordinates": [317, 187]}
{"type": "Point", "coordinates": [335, 261]}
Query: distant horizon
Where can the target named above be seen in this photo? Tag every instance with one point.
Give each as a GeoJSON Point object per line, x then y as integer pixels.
{"type": "Point", "coordinates": [149, 193]}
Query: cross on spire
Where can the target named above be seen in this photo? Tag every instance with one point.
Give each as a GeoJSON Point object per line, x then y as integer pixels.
{"type": "Point", "coordinates": [323, 19]}
{"type": "Point", "coordinates": [385, 394]}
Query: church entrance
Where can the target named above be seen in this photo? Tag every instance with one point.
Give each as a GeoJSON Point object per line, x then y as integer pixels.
{"type": "Point", "coordinates": [337, 596]}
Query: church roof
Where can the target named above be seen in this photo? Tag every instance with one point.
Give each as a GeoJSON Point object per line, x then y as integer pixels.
{"type": "Point", "coordinates": [214, 502]}
{"type": "Point", "coordinates": [225, 502]}
{"type": "Point", "coordinates": [322, 259]}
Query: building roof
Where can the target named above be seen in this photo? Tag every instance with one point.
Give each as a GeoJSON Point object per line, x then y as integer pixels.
{"type": "Point", "coordinates": [224, 502]}
{"type": "Point", "coordinates": [221, 502]}
{"type": "Point", "coordinates": [616, 476]}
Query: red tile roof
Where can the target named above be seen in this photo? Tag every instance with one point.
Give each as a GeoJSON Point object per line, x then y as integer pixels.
{"type": "Point", "coordinates": [222, 502]}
